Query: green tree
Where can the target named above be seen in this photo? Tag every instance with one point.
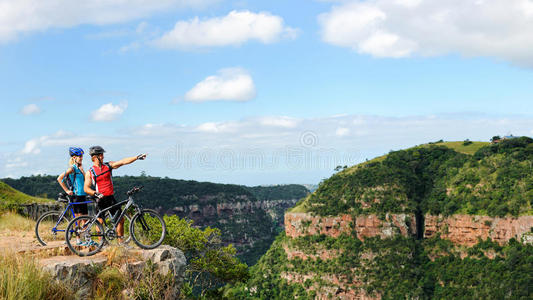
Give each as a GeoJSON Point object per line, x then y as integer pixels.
{"type": "Point", "coordinates": [210, 264]}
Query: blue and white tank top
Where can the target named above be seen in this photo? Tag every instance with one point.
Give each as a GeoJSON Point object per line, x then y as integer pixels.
{"type": "Point", "coordinates": [77, 180]}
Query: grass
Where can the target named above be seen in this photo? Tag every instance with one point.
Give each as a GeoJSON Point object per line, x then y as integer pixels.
{"type": "Point", "coordinates": [12, 222]}
{"type": "Point", "coordinates": [109, 284]}
{"type": "Point", "coordinates": [10, 197]}
{"type": "Point", "coordinates": [22, 278]}
{"type": "Point", "coordinates": [460, 147]}
{"type": "Point", "coordinates": [300, 207]}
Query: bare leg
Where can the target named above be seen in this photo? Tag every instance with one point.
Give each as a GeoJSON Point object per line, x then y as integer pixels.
{"type": "Point", "coordinates": [81, 222]}
{"type": "Point", "coordinates": [97, 229]}
{"type": "Point", "coordinates": [120, 230]}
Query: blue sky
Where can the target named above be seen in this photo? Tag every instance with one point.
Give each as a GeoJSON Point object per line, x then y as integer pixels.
{"type": "Point", "coordinates": [307, 84]}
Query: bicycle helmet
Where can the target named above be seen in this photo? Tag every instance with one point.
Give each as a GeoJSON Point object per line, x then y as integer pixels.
{"type": "Point", "coordinates": [75, 151]}
{"type": "Point", "coordinates": [95, 150]}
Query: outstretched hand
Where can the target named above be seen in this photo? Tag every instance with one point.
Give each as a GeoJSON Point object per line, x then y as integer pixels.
{"type": "Point", "coordinates": [141, 156]}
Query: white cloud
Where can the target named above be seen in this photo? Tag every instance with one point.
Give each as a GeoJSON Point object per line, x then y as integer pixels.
{"type": "Point", "coordinates": [32, 147]}
{"type": "Point", "coordinates": [234, 29]}
{"type": "Point", "coordinates": [24, 16]}
{"type": "Point", "coordinates": [129, 47]}
{"type": "Point", "coordinates": [402, 28]}
{"type": "Point", "coordinates": [109, 112]}
{"type": "Point", "coordinates": [232, 84]}
{"type": "Point", "coordinates": [342, 131]}
{"type": "Point", "coordinates": [179, 151]}
{"type": "Point", "coordinates": [30, 109]}
{"type": "Point", "coordinates": [208, 127]}
{"type": "Point", "coordinates": [17, 162]}
{"type": "Point", "coordinates": [279, 121]}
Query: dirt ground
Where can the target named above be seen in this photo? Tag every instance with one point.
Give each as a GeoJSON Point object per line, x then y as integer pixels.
{"type": "Point", "coordinates": [19, 241]}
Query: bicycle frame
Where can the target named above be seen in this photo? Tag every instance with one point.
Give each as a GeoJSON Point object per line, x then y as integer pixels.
{"type": "Point", "coordinates": [101, 214]}
{"type": "Point", "coordinates": [69, 205]}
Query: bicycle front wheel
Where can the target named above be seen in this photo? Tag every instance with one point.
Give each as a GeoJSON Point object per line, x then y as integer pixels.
{"type": "Point", "coordinates": [50, 228]}
{"type": "Point", "coordinates": [148, 229]}
{"type": "Point", "coordinates": [83, 237]}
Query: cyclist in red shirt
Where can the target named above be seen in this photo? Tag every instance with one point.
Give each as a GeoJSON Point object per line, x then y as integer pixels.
{"type": "Point", "coordinates": [100, 176]}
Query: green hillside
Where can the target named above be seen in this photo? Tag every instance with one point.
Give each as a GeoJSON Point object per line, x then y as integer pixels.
{"type": "Point", "coordinates": [10, 197]}
{"type": "Point", "coordinates": [437, 178]}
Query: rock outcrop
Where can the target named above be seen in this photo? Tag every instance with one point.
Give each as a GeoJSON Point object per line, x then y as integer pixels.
{"type": "Point", "coordinates": [79, 272]}
{"type": "Point", "coordinates": [301, 224]}
{"type": "Point", "coordinates": [466, 229]}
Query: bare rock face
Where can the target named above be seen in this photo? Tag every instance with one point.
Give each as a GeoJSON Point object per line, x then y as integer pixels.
{"type": "Point", "coordinates": [302, 224]}
{"type": "Point", "coordinates": [459, 229]}
{"type": "Point", "coordinates": [79, 272]}
{"type": "Point", "coordinates": [466, 229]}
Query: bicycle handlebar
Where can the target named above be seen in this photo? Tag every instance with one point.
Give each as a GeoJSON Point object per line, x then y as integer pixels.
{"type": "Point", "coordinates": [134, 190]}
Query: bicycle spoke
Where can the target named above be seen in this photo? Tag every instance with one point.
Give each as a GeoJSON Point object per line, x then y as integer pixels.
{"type": "Point", "coordinates": [85, 236]}
{"type": "Point", "coordinates": [148, 229]}
{"type": "Point", "coordinates": [50, 230]}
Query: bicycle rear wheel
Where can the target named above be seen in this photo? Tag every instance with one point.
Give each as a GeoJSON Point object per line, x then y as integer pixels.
{"type": "Point", "coordinates": [49, 229]}
{"type": "Point", "coordinates": [148, 229]}
{"type": "Point", "coordinates": [84, 238]}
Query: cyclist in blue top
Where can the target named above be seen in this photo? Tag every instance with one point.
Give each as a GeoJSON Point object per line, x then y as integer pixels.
{"type": "Point", "coordinates": [75, 179]}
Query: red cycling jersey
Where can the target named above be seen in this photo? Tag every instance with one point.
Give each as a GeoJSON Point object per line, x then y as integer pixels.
{"type": "Point", "coordinates": [101, 178]}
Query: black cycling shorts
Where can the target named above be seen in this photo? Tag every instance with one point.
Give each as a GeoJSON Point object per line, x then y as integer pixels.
{"type": "Point", "coordinates": [106, 202]}
{"type": "Point", "coordinates": [80, 208]}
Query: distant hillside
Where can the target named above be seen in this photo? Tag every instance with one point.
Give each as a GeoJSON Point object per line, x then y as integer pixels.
{"type": "Point", "coordinates": [279, 192]}
{"type": "Point", "coordinates": [10, 197]}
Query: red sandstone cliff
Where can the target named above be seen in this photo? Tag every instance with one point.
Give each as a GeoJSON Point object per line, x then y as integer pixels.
{"type": "Point", "coordinates": [466, 229]}
{"type": "Point", "coordinates": [301, 224]}
{"type": "Point", "coordinates": [460, 229]}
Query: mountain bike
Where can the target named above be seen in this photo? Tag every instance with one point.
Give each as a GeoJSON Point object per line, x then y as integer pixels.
{"type": "Point", "coordinates": [147, 228]}
{"type": "Point", "coordinates": [53, 222]}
